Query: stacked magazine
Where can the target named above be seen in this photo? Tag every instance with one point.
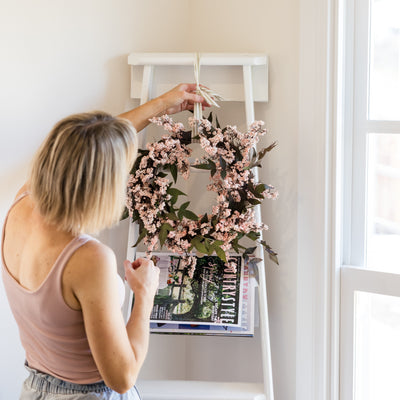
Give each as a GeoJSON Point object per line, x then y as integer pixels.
{"type": "Point", "coordinates": [213, 299]}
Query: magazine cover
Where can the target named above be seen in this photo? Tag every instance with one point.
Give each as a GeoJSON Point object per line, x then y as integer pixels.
{"type": "Point", "coordinates": [211, 294]}
{"type": "Point", "coordinates": [247, 317]}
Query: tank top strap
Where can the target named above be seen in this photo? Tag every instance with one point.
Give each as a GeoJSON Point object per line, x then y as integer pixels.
{"type": "Point", "coordinates": [65, 255]}
{"type": "Point", "coordinates": [18, 199]}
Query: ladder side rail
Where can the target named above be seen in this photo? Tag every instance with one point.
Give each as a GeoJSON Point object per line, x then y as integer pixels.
{"type": "Point", "coordinates": [133, 232]}
{"type": "Point", "coordinates": [262, 288]}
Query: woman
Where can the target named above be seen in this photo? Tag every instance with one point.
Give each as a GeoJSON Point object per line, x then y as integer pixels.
{"type": "Point", "coordinates": [62, 285]}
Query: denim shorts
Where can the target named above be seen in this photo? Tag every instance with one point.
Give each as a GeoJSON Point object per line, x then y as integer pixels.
{"type": "Point", "coordinates": [41, 386]}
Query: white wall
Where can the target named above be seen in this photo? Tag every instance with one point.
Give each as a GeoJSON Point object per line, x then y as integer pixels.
{"type": "Point", "coordinates": [57, 57]}
{"type": "Point", "coordinates": [60, 57]}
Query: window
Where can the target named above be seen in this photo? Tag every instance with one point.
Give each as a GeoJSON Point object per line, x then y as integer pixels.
{"type": "Point", "coordinates": [370, 275]}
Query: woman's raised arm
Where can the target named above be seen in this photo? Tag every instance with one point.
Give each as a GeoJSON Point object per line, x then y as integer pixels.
{"type": "Point", "coordinates": [180, 98]}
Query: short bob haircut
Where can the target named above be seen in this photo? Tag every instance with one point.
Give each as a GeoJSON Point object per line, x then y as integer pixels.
{"type": "Point", "coordinates": [79, 174]}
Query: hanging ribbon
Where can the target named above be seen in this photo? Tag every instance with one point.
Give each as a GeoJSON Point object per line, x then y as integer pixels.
{"type": "Point", "coordinates": [208, 94]}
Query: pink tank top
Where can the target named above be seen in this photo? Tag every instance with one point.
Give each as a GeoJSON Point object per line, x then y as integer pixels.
{"type": "Point", "coordinates": [52, 334]}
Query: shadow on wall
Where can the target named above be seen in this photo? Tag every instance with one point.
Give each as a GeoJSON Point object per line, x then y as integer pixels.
{"type": "Point", "coordinates": [117, 92]}
{"type": "Point", "coordinates": [12, 178]}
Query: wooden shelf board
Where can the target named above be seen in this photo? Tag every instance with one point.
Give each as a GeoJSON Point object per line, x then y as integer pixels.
{"type": "Point", "coordinates": [213, 59]}
{"type": "Point", "coordinates": [199, 390]}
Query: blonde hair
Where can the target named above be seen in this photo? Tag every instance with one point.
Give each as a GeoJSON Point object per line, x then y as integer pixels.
{"type": "Point", "coordinates": [79, 174]}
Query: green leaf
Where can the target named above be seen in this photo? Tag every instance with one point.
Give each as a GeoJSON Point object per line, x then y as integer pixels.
{"type": "Point", "coordinates": [274, 258]}
{"type": "Point", "coordinates": [204, 219]}
{"type": "Point", "coordinates": [271, 253]}
{"type": "Point", "coordinates": [209, 247]}
{"type": "Point", "coordinates": [217, 122]}
{"type": "Point", "coordinates": [165, 228]}
{"type": "Point", "coordinates": [261, 187]}
{"type": "Point", "coordinates": [235, 247]}
{"type": "Point", "coordinates": [255, 261]}
{"type": "Point", "coordinates": [196, 242]}
{"type": "Point", "coordinates": [125, 214]}
{"type": "Point", "coordinates": [223, 173]}
{"type": "Point", "coordinates": [184, 206]}
{"type": "Point", "coordinates": [253, 235]}
{"type": "Point", "coordinates": [190, 215]}
{"type": "Point", "coordinates": [249, 250]}
{"type": "Point", "coordinates": [271, 146]}
{"type": "Point", "coordinates": [222, 162]}
{"type": "Point", "coordinates": [254, 191]}
{"type": "Point", "coordinates": [175, 192]}
{"type": "Point", "coordinates": [143, 233]}
{"type": "Point", "coordinates": [220, 253]}
{"type": "Point", "coordinates": [174, 171]}
{"type": "Point", "coordinates": [202, 166]}
{"type": "Point", "coordinates": [210, 117]}
{"type": "Point", "coordinates": [254, 202]}
{"type": "Point", "coordinates": [171, 216]}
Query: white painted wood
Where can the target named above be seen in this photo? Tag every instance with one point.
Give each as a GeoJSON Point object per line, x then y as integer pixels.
{"type": "Point", "coordinates": [346, 331]}
{"type": "Point", "coordinates": [355, 279]}
{"type": "Point", "coordinates": [198, 390]}
{"type": "Point", "coordinates": [263, 299]}
{"type": "Point", "coordinates": [222, 72]}
{"type": "Point", "coordinates": [383, 126]}
{"type": "Point", "coordinates": [359, 183]}
{"type": "Point", "coordinates": [134, 228]}
{"type": "Point", "coordinates": [189, 59]}
{"type": "Point", "coordinates": [319, 204]}
{"type": "Point", "coordinates": [248, 94]}
{"type": "Point", "coordinates": [357, 127]}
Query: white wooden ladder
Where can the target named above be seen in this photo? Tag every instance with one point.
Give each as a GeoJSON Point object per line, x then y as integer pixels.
{"type": "Point", "coordinates": [254, 70]}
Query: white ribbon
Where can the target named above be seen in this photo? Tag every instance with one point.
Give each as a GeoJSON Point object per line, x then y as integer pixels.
{"type": "Point", "coordinates": [208, 94]}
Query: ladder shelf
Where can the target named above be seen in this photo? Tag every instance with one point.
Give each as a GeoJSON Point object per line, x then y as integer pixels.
{"type": "Point", "coordinates": [252, 69]}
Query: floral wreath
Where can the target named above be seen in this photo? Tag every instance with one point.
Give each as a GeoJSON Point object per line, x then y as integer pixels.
{"type": "Point", "coordinates": [230, 156]}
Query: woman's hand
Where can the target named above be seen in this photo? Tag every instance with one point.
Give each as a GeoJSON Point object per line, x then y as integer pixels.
{"type": "Point", "coordinates": [142, 276]}
{"type": "Point", "coordinates": [181, 98]}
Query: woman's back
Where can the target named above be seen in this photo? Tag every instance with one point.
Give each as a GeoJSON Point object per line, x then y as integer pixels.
{"type": "Point", "coordinates": [36, 263]}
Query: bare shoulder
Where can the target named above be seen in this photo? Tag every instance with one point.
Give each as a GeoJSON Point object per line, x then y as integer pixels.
{"type": "Point", "coordinates": [24, 188]}
{"type": "Point", "coordinates": [92, 257]}
{"type": "Point", "coordinates": [90, 272]}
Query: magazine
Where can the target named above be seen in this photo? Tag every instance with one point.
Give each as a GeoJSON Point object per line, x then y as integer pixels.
{"type": "Point", "coordinates": [212, 294]}
{"type": "Point", "coordinates": [247, 317]}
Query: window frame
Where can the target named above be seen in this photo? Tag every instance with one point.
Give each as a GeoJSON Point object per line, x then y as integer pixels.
{"type": "Point", "coordinates": [357, 125]}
